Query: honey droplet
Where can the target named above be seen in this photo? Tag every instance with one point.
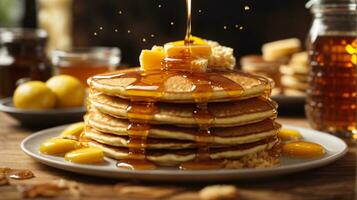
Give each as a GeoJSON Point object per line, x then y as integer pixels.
{"type": "Point", "coordinates": [246, 8]}
{"type": "Point", "coordinates": [116, 30]}
{"type": "Point", "coordinates": [159, 6]}
{"type": "Point", "coordinates": [144, 39]}
{"type": "Point", "coordinates": [225, 27]}
{"type": "Point", "coordinates": [101, 28]}
{"type": "Point", "coordinates": [152, 35]}
{"type": "Point", "coordinates": [95, 33]}
{"type": "Point", "coordinates": [172, 23]}
{"type": "Point", "coordinates": [120, 12]}
{"type": "Point", "coordinates": [129, 31]}
{"type": "Point", "coordinates": [20, 174]}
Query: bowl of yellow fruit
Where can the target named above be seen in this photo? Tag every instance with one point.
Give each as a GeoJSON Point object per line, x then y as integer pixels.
{"type": "Point", "coordinates": [59, 100]}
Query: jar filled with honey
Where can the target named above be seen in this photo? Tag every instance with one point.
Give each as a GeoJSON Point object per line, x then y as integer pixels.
{"type": "Point", "coordinates": [332, 47]}
{"type": "Point", "coordinates": [85, 62]}
{"type": "Point", "coordinates": [22, 57]}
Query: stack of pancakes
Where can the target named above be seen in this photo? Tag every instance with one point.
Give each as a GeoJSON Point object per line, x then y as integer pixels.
{"type": "Point", "coordinates": [283, 62]}
{"type": "Point", "coordinates": [239, 121]}
{"type": "Point", "coordinates": [256, 64]}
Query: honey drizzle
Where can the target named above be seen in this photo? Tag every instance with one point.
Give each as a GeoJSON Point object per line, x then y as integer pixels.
{"type": "Point", "coordinates": [189, 20]}
{"type": "Point", "coordinates": [138, 131]}
{"type": "Point", "coordinates": [20, 174]}
{"type": "Point", "coordinates": [203, 90]}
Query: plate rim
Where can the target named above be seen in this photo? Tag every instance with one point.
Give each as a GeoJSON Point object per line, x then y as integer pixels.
{"type": "Point", "coordinates": [11, 109]}
{"type": "Point", "coordinates": [193, 173]}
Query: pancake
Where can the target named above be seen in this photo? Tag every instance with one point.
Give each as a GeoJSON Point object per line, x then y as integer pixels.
{"type": "Point", "coordinates": [224, 114]}
{"type": "Point", "coordinates": [151, 143]}
{"type": "Point", "coordinates": [229, 135]}
{"type": "Point", "coordinates": [176, 157]}
{"type": "Point", "coordinates": [123, 141]}
{"type": "Point", "coordinates": [180, 86]}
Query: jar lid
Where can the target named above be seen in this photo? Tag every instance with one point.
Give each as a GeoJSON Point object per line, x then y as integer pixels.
{"type": "Point", "coordinates": [331, 5]}
{"type": "Point", "coordinates": [90, 54]}
{"type": "Point", "coordinates": [11, 34]}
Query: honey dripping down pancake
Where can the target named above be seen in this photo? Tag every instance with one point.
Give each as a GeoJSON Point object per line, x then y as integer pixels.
{"type": "Point", "coordinates": [144, 88]}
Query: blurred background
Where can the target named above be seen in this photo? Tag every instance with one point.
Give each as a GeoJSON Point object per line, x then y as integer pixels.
{"type": "Point", "coordinates": [135, 24]}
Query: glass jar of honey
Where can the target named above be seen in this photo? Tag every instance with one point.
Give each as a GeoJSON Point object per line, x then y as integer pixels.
{"type": "Point", "coordinates": [332, 47]}
{"type": "Point", "coordinates": [22, 57]}
{"type": "Point", "coordinates": [85, 62]}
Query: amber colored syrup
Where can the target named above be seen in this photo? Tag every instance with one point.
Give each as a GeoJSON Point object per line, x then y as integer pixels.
{"type": "Point", "coordinates": [189, 22]}
{"type": "Point", "coordinates": [331, 102]}
{"type": "Point", "coordinates": [20, 174]}
{"type": "Point", "coordinates": [82, 70]}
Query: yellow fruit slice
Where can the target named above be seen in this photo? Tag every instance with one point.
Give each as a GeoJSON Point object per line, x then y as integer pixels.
{"type": "Point", "coordinates": [73, 131]}
{"type": "Point", "coordinates": [58, 146]}
{"type": "Point", "coordinates": [87, 155]}
{"type": "Point", "coordinates": [151, 59]}
{"type": "Point", "coordinates": [289, 134]}
{"type": "Point", "coordinates": [303, 149]}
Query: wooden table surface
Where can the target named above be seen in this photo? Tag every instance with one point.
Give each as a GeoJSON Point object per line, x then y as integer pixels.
{"type": "Point", "coordinates": [335, 181]}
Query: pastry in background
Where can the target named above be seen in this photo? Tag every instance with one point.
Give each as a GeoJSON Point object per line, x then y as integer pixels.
{"type": "Point", "coordinates": [283, 62]}
{"type": "Point", "coordinates": [294, 76]}
{"type": "Point", "coordinates": [257, 65]}
{"type": "Point", "coordinates": [55, 17]}
{"type": "Point", "coordinates": [281, 50]}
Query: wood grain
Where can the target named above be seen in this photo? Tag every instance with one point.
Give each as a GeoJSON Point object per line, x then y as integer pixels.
{"type": "Point", "coordinates": [335, 181]}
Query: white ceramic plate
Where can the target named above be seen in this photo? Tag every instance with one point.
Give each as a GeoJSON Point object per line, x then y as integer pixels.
{"type": "Point", "coordinates": [335, 149]}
